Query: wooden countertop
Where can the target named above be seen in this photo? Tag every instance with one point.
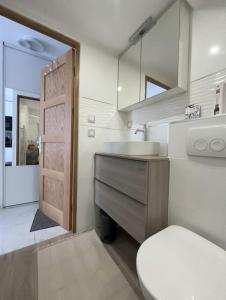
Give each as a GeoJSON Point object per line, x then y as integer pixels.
{"type": "Point", "coordinates": [134, 157]}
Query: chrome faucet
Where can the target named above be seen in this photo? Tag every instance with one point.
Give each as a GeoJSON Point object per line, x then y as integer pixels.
{"type": "Point", "coordinates": [144, 130]}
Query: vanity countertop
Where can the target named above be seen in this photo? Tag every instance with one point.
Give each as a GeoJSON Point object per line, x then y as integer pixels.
{"type": "Point", "coordinates": [135, 157]}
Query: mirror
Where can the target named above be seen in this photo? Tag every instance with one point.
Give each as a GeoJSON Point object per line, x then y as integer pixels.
{"type": "Point", "coordinates": [157, 66]}
{"type": "Point", "coordinates": [129, 76]}
{"type": "Point", "coordinates": [28, 122]}
{"type": "Point", "coordinates": [159, 57]}
{"type": "Point", "coordinates": [22, 121]}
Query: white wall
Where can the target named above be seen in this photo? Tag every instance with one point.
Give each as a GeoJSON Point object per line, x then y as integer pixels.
{"type": "Point", "coordinates": [197, 198]}
{"type": "Point", "coordinates": [98, 97]}
{"type": "Point", "coordinates": [207, 34]}
{"type": "Point", "coordinates": [23, 70]}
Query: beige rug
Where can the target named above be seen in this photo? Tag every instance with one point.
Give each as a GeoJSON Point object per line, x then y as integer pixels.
{"type": "Point", "coordinates": [79, 268]}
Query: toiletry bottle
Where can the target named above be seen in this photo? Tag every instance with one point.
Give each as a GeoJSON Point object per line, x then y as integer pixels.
{"type": "Point", "coordinates": [217, 109]}
{"type": "Point", "coordinates": [222, 101]}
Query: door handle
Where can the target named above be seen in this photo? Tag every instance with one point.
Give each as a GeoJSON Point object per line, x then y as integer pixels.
{"type": "Point", "coordinates": [40, 143]}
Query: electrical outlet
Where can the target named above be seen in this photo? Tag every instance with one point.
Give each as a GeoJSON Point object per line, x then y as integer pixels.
{"type": "Point", "coordinates": [91, 132]}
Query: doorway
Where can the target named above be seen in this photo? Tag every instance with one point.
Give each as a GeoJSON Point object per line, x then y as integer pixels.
{"type": "Point", "coordinates": [39, 162]}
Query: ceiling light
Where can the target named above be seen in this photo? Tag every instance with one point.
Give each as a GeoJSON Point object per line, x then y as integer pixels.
{"type": "Point", "coordinates": [31, 44]}
{"type": "Point", "coordinates": [119, 88]}
{"type": "Point", "coordinates": [214, 50]}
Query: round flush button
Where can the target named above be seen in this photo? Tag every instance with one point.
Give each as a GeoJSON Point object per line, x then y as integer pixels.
{"type": "Point", "coordinates": [217, 145]}
{"type": "Point", "coordinates": [200, 145]}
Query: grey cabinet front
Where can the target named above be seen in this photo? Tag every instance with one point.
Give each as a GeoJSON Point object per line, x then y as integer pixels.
{"type": "Point", "coordinates": [128, 213]}
{"type": "Point", "coordinates": [127, 176]}
{"type": "Point", "coordinates": [134, 192]}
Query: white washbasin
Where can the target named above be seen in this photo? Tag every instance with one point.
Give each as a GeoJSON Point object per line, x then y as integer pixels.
{"type": "Point", "coordinates": [133, 148]}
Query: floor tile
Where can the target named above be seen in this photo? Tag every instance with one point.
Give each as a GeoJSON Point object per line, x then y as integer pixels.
{"type": "Point", "coordinates": [44, 234]}
{"type": "Point", "coordinates": [17, 237]}
{"type": "Point", "coordinates": [15, 215]}
{"type": "Point", "coordinates": [15, 224]}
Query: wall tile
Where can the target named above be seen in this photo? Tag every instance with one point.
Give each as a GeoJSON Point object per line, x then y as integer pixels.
{"type": "Point", "coordinates": [202, 92]}
{"type": "Point", "coordinates": [160, 110]}
{"type": "Point", "coordinates": [98, 74]}
{"type": "Point", "coordinates": [106, 115]}
{"type": "Point", "coordinates": [87, 148]}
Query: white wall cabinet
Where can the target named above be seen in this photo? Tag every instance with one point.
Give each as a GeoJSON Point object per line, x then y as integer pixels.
{"type": "Point", "coordinates": [156, 68]}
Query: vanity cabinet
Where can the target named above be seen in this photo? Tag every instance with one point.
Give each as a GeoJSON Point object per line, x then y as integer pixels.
{"type": "Point", "coordinates": [133, 190]}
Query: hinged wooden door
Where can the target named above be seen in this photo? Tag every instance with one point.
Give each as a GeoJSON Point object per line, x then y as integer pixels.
{"type": "Point", "coordinates": [56, 167]}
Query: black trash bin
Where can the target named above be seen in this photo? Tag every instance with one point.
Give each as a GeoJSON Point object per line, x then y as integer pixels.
{"type": "Point", "coordinates": [107, 228]}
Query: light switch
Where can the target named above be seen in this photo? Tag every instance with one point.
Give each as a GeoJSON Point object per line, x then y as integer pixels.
{"type": "Point", "coordinates": [91, 119]}
{"type": "Point", "coordinates": [91, 132]}
{"type": "Point", "coordinates": [129, 124]}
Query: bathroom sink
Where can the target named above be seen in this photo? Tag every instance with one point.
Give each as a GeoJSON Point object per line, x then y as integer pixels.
{"type": "Point", "coordinates": [133, 148]}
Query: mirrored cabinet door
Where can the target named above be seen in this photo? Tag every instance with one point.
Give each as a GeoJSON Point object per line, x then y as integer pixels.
{"type": "Point", "coordinates": [22, 118]}
{"type": "Point", "coordinates": [129, 76]}
{"type": "Point", "coordinates": [160, 54]}
{"type": "Point", "coordinates": [156, 68]}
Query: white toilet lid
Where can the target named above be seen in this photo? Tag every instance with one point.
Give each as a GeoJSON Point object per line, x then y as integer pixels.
{"type": "Point", "coordinates": [177, 264]}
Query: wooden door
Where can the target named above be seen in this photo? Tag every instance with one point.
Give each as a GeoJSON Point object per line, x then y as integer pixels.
{"type": "Point", "coordinates": [56, 119]}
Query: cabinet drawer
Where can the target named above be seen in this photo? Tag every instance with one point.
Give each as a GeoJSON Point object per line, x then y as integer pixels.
{"type": "Point", "coordinates": [127, 176]}
{"type": "Point", "coordinates": [128, 213]}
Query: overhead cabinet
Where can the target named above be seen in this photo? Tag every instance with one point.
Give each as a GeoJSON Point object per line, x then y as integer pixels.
{"type": "Point", "coordinates": [156, 67]}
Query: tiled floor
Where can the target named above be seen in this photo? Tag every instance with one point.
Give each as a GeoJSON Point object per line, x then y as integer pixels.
{"type": "Point", "coordinates": [124, 251]}
{"type": "Point", "coordinates": [15, 224]}
{"type": "Point", "coordinates": [70, 267]}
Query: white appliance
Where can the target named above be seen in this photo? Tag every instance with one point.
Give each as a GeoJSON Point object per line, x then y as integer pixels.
{"type": "Point", "coordinates": [21, 185]}
{"type": "Point", "coordinates": [177, 264]}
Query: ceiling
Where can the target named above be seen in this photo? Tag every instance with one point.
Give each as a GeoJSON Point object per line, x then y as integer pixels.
{"type": "Point", "coordinates": [206, 4]}
{"type": "Point", "coordinates": [11, 32]}
{"type": "Point", "coordinates": [106, 22]}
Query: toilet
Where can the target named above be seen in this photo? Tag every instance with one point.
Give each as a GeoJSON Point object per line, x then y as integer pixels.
{"type": "Point", "coordinates": [177, 264]}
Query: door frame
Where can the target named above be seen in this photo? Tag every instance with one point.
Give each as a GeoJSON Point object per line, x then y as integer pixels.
{"type": "Point", "coordinates": [14, 16]}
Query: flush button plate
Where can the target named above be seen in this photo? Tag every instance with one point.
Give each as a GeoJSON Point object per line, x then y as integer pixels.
{"type": "Point", "coordinates": [207, 141]}
{"type": "Point", "coordinates": [200, 145]}
{"type": "Point", "coordinates": [217, 145]}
